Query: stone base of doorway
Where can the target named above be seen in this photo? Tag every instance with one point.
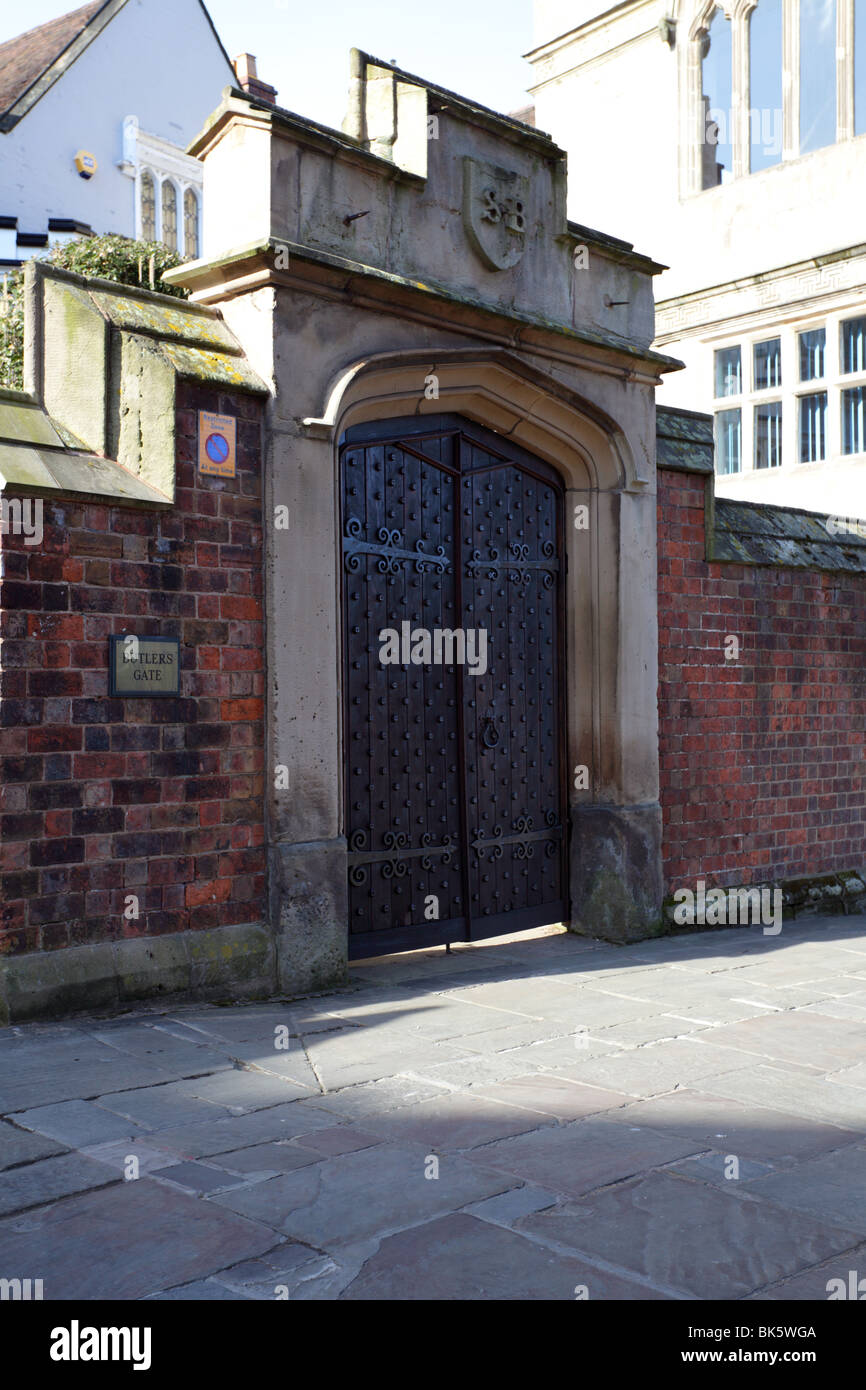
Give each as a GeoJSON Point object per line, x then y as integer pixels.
{"type": "Point", "coordinates": [222, 963]}
{"type": "Point", "coordinates": [616, 872]}
{"type": "Point", "coordinates": [309, 907]}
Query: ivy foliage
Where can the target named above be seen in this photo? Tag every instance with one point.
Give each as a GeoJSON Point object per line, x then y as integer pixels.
{"type": "Point", "coordinates": [110, 257]}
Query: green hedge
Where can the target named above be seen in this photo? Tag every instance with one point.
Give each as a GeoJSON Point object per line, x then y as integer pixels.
{"type": "Point", "coordinates": [139, 263]}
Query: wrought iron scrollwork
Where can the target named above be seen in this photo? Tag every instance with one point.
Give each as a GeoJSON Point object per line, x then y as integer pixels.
{"type": "Point", "coordinates": [523, 837]}
{"type": "Point", "coordinates": [390, 551]}
{"type": "Point", "coordinates": [393, 859]}
{"type": "Point", "coordinates": [518, 567]}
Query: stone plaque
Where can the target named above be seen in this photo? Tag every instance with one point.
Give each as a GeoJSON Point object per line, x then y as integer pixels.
{"type": "Point", "coordinates": [216, 444]}
{"type": "Point", "coordinates": [144, 666]}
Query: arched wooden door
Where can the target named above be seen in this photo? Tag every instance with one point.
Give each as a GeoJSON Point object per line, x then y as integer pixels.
{"type": "Point", "coordinates": [453, 671]}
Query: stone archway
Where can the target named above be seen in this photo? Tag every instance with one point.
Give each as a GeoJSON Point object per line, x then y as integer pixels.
{"type": "Point", "coordinates": [610, 643]}
{"type": "Point", "coordinates": [610, 613]}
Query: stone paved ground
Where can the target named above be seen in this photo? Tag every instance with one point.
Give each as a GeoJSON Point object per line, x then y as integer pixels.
{"type": "Point", "coordinates": [583, 1103]}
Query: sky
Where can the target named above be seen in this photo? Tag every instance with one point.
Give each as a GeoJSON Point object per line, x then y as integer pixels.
{"type": "Point", "coordinates": [474, 47]}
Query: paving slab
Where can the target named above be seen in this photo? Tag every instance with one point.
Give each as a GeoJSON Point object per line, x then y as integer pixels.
{"type": "Point", "coordinates": [77, 1123]}
{"type": "Point", "coordinates": [359, 1055]}
{"type": "Point", "coordinates": [197, 1177]}
{"type": "Point", "coordinates": [267, 1270]}
{"type": "Point", "coordinates": [458, 1257]}
{"type": "Point", "coordinates": [750, 1131]}
{"type": "Point", "coordinates": [242, 1090]}
{"type": "Point", "coordinates": [554, 1095]}
{"type": "Point", "coordinates": [375, 1097]}
{"type": "Point", "coordinates": [242, 1023]}
{"type": "Point", "coordinates": [511, 1035]}
{"type": "Point", "coordinates": [595, 1009]}
{"type": "Point", "coordinates": [658, 1028]}
{"type": "Point", "coordinates": [823, 1281]}
{"type": "Point", "coordinates": [118, 1152]}
{"type": "Point", "coordinates": [658, 1067]}
{"type": "Point", "coordinates": [291, 1063]}
{"type": "Point", "coordinates": [506, 1208]}
{"type": "Point", "coordinates": [575, 1158]}
{"type": "Point", "coordinates": [810, 1038]}
{"type": "Point", "coordinates": [711, 1011]}
{"type": "Point", "coordinates": [477, 1069]}
{"type": "Point", "coordinates": [692, 1237]}
{"type": "Point", "coordinates": [796, 1093]}
{"type": "Point", "coordinates": [843, 1006]}
{"type": "Point", "coordinates": [555, 1054]}
{"type": "Point", "coordinates": [718, 1168]}
{"type": "Point", "coordinates": [455, 1018]}
{"type": "Point", "coordinates": [267, 1160]}
{"type": "Point", "coordinates": [832, 1187]}
{"type": "Point", "coordinates": [20, 1146]}
{"type": "Point", "coordinates": [461, 1120]}
{"type": "Point", "coordinates": [127, 1241]}
{"type": "Point", "coordinates": [368, 1193]}
{"type": "Point", "coordinates": [203, 1139]}
{"type": "Point", "coordinates": [50, 1178]}
{"type": "Point", "coordinates": [61, 1075]}
{"type": "Point", "coordinates": [158, 1107]}
{"type": "Point", "coordinates": [152, 1042]}
{"type": "Point", "coordinates": [851, 1076]}
{"type": "Point", "coordinates": [342, 1139]}
{"type": "Point", "coordinates": [200, 1291]}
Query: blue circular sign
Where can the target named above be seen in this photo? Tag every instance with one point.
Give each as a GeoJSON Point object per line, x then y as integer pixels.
{"type": "Point", "coordinates": [217, 448]}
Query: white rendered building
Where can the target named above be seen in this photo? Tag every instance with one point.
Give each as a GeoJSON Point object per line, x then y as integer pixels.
{"type": "Point", "coordinates": [97, 108]}
{"type": "Point", "coordinates": [730, 143]}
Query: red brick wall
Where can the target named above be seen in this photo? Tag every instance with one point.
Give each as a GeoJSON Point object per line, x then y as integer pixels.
{"type": "Point", "coordinates": [161, 798]}
{"type": "Point", "coordinates": [762, 759]}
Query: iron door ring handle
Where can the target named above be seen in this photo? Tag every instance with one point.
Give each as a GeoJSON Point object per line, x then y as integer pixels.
{"type": "Point", "coordinates": [489, 733]}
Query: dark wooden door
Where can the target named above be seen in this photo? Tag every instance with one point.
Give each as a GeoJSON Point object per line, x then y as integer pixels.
{"type": "Point", "coordinates": [452, 543]}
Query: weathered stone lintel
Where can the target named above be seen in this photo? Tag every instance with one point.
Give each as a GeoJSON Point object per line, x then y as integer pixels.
{"type": "Point", "coordinates": [312, 270]}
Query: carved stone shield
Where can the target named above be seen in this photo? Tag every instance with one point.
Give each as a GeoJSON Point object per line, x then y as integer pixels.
{"type": "Point", "coordinates": [495, 210]}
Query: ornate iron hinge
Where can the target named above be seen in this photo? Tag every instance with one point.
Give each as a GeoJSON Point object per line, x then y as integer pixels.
{"type": "Point", "coordinates": [390, 551]}
{"type": "Point", "coordinates": [517, 566]}
{"type": "Point", "coordinates": [393, 858]}
{"type": "Point", "coordinates": [522, 837]}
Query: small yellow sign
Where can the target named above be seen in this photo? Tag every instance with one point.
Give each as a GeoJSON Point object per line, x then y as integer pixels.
{"type": "Point", "coordinates": [86, 164]}
{"type": "Point", "coordinates": [216, 444]}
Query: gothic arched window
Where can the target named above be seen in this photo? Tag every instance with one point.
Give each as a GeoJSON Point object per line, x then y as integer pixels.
{"type": "Point", "coordinates": [817, 74]}
{"type": "Point", "coordinates": [859, 60]}
{"type": "Point", "coordinates": [148, 207]}
{"type": "Point", "coordinates": [717, 101]}
{"type": "Point", "coordinates": [190, 223]}
{"type": "Point", "coordinates": [169, 215]}
{"type": "Point", "coordinates": [765, 85]}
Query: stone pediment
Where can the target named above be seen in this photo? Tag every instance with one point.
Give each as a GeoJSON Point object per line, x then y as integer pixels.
{"type": "Point", "coordinates": [423, 186]}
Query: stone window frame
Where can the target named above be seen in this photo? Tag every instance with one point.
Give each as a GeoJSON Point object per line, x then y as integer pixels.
{"type": "Point", "coordinates": [190, 190]}
{"type": "Point", "coordinates": [180, 191]}
{"type": "Point", "coordinates": [833, 382]}
{"type": "Point", "coordinates": [739, 14]}
{"type": "Point", "coordinates": [164, 162]}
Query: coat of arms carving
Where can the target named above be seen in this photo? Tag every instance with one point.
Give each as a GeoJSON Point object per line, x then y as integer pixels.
{"type": "Point", "coordinates": [495, 203]}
